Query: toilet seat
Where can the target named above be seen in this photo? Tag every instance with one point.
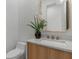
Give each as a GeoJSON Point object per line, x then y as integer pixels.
{"type": "Point", "coordinates": [13, 53]}
{"type": "Point", "coordinates": [18, 52]}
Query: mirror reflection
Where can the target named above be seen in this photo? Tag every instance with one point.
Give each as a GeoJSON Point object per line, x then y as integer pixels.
{"type": "Point", "coordinates": [54, 12]}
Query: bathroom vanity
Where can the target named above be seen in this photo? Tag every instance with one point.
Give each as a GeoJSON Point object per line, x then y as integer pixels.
{"type": "Point", "coordinates": [37, 49]}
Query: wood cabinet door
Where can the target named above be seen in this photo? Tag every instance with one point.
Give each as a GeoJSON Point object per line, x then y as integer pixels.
{"type": "Point", "coordinates": [67, 55]}
{"type": "Point", "coordinates": [53, 54]}
{"type": "Point", "coordinates": [32, 51]}
{"type": "Point", "coordinates": [42, 52]}
{"type": "Point", "coordinates": [37, 51]}
{"type": "Point", "coordinates": [58, 54]}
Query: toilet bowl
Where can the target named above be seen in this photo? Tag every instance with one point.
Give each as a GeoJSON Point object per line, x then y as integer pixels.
{"type": "Point", "coordinates": [18, 52]}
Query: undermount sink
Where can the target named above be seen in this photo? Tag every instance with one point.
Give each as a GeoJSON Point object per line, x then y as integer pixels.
{"type": "Point", "coordinates": [53, 41]}
{"type": "Point", "coordinates": [63, 43]}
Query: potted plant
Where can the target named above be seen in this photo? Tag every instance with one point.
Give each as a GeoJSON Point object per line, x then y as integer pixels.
{"type": "Point", "coordinates": [38, 25]}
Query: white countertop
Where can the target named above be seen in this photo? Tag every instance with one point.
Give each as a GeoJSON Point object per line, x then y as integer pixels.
{"type": "Point", "coordinates": [63, 45]}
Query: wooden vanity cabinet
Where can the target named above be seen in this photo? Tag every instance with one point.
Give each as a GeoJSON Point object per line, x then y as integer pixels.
{"type": "Point", "coordinates": [58, 54]}
{"type": "Point", "coordinates": [37, 51]}
{"type": "Point", "coordinates": [40, 52]}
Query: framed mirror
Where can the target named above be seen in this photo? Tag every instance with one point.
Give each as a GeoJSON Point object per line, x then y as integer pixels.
{"type": "Point", "coordinates": [55, 13]}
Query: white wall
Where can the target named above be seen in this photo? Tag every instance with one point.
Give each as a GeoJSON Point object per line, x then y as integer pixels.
{"type": "Point", "coordinates": [27, 10]}
{"type": "Point", "coordinates": [11, 24]}
{"type": "Point", "coordinates": [19, 14]}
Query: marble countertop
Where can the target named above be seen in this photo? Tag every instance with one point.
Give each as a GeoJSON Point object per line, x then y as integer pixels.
{"type": "Point", "coordinates": [63, 45]}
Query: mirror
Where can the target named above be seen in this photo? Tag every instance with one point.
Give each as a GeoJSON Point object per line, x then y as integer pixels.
{"type": "Point", "coordinates": [54, 12]}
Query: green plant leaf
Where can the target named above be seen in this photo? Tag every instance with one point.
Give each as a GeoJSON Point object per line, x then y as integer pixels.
{"type": "Point", "coordinates": [31, 26]}
{"type": "Point", "coordinates": [35, 20]}
{"type": "Point", "coordinates": [38, 24]}
{"type": "Point", "coordinates": [34, 24]}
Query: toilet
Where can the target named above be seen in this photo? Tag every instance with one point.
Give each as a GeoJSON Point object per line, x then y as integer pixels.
{"type": "Point", "coordinates": [18, 52]}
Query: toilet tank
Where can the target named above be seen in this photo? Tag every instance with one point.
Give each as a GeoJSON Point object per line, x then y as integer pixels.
{"type": "Point", "coordinates": [21, 45]}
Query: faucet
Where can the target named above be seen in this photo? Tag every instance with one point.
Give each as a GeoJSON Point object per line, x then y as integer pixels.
{"type": "Point", "coordinates": [48, 36]}
{"type": "Point", "coordinates": [57, 37]}
{"type": "Point", "coordinates": [52, 37]}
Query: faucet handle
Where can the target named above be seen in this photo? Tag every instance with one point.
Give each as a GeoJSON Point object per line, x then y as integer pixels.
{"type": "Point", "coordinates": [57, 37]}
{"type": "Point", "coordinates": [52, 37]}
{"type": "Point", "coordinates": [48, 36]}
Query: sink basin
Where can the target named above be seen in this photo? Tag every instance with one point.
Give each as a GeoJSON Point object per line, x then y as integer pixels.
{"type": "Point", "coordinates": [53, 41]}
{"type": "Point", "coordinates": [58, 43]}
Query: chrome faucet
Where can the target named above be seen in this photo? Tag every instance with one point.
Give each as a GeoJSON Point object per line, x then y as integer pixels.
{"type": "Point", "coordinates": [52, 37]}
{"type": "Point", "coordinates": [57, 37]}
{"type": "Point", "coordinates": [48, 36]}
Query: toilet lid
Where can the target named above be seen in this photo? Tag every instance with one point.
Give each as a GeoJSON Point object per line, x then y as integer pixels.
{"type": "Point", "coordinates": [13, 53]}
